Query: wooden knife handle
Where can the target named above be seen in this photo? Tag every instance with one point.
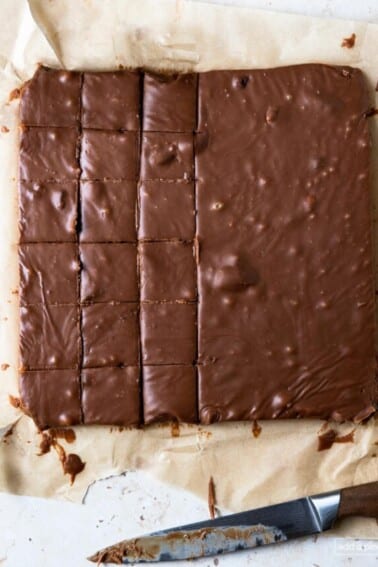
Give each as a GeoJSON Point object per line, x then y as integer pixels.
{"type": "Point", "coordinates": [359, 500]}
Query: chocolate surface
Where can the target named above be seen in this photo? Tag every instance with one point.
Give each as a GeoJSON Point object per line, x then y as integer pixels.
{"type": "Point", "coordinates": [111, 396]}
{"type": "Point", "coordinates": [39, 265]}
{"type": "Point", "coordinates": [167, 271]}
{"type": "Point", "coordinates": [285, 273]}
{"type": "Point", "coordinates": [209, 230]}
{"type": "Point", "coordinates": [110, 334]}
{"type": "Point", "coordinates": [109, 272]}
{"type": "Point", "coordinates": [108, 211]}
{"type": "Point", "coordinates": [167, 210]}
{"type": "Point", "coordinates": [169, 393]}
{"type": "Point", "coordinates": [48, 211]}
{"type": "Point", "coordinates": [109, 155]}
{"type": "Point", "coordinates": [51, 98]}
{"type": "Point", "coordinates": [167, 156]}
{"type": "Point", "coordinates": [49, 336]}
{"type": "Point", "coordinates": [169, 103]}
{"type": "Point", "coordinates": [52, 397]}
{"type": "Point", "coordinates": [49, 154]}
{"type": "Point", "coordinates": [168, 333]}
{"type": "Point", "coordinates": [110, 101]}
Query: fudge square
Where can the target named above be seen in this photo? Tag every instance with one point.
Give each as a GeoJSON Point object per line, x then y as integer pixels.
{"type": "Point", "coordinates": [286, 309]}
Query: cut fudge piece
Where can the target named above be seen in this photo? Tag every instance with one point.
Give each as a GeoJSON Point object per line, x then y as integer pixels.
{"type": "Point", "coordinates": [51, 98]}
{"type": "Point", "coordinates": [169, 393]}
{"type": "Point", "coordinates": [111, 100]}
{"type": "Point", "coordinates": [49, 273]}
{"type": "Point", "coordinates": [167, 156]}
{"type": "Point", "coordinates": [49, 154]}
{"type": "Point", "coordinates": [167, 210]}
{"type": "Point", "coordinates": [286, 312]}
{"type": "Point", "coordinates": [108, 211]}
{"type": "Point", "coordinates": [111, 396]}
{"type": "Point", "coordinates": [109, 272]}
{"type": "Point", "coordinates": [52, 397]}
{"type": "Point", "coordinates": [49, 336]}
{"type": "Point", "coordinates": [47, 211]}
{"type": "Point", "coordinates": [110, 334]}
{"type": "Point", "coordinates": [168, 333]}
{"type": "Point", "coordinates": [109, 155]}
{"type": "Point", "coordinates": [169, 103]}
{"type": "Point", "coordinates": [167, 271]}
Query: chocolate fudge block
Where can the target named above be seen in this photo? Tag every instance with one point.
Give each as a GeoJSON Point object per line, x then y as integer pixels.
{"type": "Point", "coordinates": [51, 397]}
{"type": "Point", "coordinates": [109, 155]}
{"type": "Point", "coordinates": [286, 311]}
{"type": "Point", "coordinates": [49, 154]}
{"type": "Point", "coordinates": [254, 225]}
{"type": "Point", "coordinates": [108, 211]}
{"type": "Point", "coordinates": [170, 103]}
{"type": "Point", "coordinates": [167, 210]}
{"type": "Point", "coordinates": [167, 156]}
{"type": "Point", "coordinates": [170, 393]}
{"type": "Point", "coordinates": [110, 101]}
{"type": "Point", "coordinates": [111, 396]}
{"type": "Point", "coordinates": [110, 334]}
{"type": "Point", "coordinates": [168, 333]}
{"type": "Point", "coordinates": [49, 273]}
{"type": "Point", "coordinates": [51, 98]}
{"type": "Point", "coordinates": [272, 399]}
{"type": "Point", "coordinates": [167, 271]}
{"type": "Point", "coordinates": [47, 211]}
{"type": "Point", "coordinates": [109, 272]}
{"type": "Point", "coordinates": [49, 336]}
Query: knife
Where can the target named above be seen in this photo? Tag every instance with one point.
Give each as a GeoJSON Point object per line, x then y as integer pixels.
{"type": "Point", "coordinates": [246, 530]}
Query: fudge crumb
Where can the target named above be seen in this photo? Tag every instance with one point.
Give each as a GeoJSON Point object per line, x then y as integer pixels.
{"type": "Point", "coordinates": [349, 42]}
{"type": "Point", "coordinates": [327, 439]}
{"type": "Point", "coordinates": [4, 366]}
{"type": "Point", "coordinates": [370, 112]}
{"type": "Point", "coordinates": [256, 429]}
{"type": "Point", "coordinates": [13, 95]}
{"type": "Point", "coordinates": [15, 402]}
{"type": "Point", "coordinates": [4, 130]}
{"type": "Point", "coordinates": [211, 498]}
{"type": "Point", "coordinates": [175, 429]}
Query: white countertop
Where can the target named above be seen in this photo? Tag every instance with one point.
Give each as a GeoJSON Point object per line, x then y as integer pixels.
{"type": "Point", "coordinates": [42, 533]}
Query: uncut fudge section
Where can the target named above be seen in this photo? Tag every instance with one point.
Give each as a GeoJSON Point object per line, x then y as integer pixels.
{"type": "Point", "coordinates": [166, 249]}
{"type": "Point", "coordinates": [286, 297]}
{"type": "Point", "coordinates": [109, 291]}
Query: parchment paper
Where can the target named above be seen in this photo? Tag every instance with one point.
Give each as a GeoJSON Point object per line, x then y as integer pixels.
{"type": "Point", "coordinates": [283, 462]}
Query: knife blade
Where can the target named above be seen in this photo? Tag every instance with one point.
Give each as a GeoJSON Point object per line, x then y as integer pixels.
{"type": "Point", "coordinates": [246, 530]}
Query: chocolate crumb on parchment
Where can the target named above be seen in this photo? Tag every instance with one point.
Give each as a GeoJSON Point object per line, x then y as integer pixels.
{"type": "Point", "coordinates": [256, 429]}
{"type": "Point", "coordinates": [4, 129]}
{"type": "Point", "coordinates": [372, 111]}
{"type": "Point", "coordinates": [328, 438]}
{"type": "Point", "coordinates": [212, 498]}
{"type": "Point", "coordinates": [14, 94]}
{"type": "Point", "coordinates": [4, 366]}
{"type": "Point", "coordinates": [349, 42]}
{"type": "Point", "coordinates": [71, 463]}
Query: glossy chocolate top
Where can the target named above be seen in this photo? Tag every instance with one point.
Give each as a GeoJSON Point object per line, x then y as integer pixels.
{"type": "Point", "coordinates": [284, 228]}
{"type": "Point", "coordinates": [196, 247]}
